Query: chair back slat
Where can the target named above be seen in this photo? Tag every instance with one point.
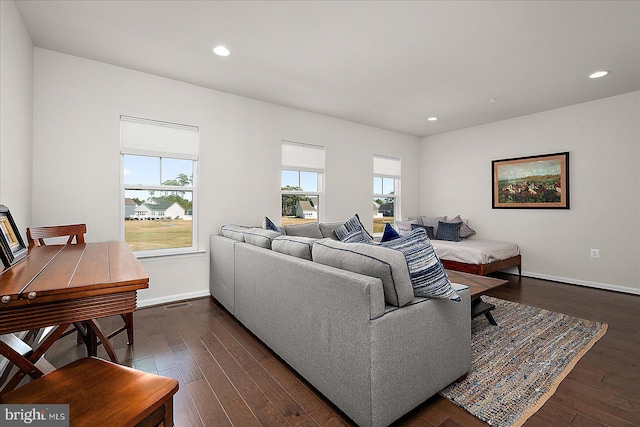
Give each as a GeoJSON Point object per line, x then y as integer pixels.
{"type": "Point", "coordinates": [36, 235]}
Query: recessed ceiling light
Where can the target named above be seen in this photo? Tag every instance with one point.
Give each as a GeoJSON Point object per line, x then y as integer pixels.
{"type": "Point", "coordinates": [221, 51]}
{"type": "Point", "coordinates": [432, 119]}
{"type": "Point", "coordinates": [598, 74]}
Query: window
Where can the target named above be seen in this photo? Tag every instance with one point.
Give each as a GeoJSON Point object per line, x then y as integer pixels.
{"type": "Point", "coordinates": [159, 176]}
{"type": "Point", "coordinates": [301, 182]}
{"type": "Point", "coordinates": [386, 191]}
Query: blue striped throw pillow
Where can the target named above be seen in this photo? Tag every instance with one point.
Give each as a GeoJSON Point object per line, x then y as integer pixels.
{"type": "Point", "coordinates": [350, 225]}
{"type": "Point", "coordinates": [425, 269]}
{"type": "Point", "coordinates": [357, 235]}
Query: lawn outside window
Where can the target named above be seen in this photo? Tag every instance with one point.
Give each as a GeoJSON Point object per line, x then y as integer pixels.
{"type": "Point", "coordinates": [386, 192]}
{"type": "Point", "coordinates": [159, 186]}
{"type": "Point", "coordinates": [301, 183]}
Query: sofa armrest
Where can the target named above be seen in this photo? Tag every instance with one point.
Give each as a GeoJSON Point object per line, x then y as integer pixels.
{"type": "Point", "coordinates": [222, 270]}
{"type": "Point", "coordinates": [425, 347]}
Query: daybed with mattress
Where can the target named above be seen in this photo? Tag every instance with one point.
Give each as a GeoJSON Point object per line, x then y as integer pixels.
{"type": "Point", "coordinates": [458, 251]}
{"type": "Point", "coordinates": [478, 256]}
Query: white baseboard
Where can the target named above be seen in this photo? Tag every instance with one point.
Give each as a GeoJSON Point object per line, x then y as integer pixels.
{"type": "Point", "coordinates": [605, 286]}
{"type": "Point", "coordinates": [173, 298]}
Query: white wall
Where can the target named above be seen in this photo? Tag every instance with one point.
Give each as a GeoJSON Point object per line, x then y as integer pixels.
{"type": "Point", "coordinates": [603, 138]}
{"type": "Point", "coordinates": [77, 105]}
{"type": "Point", "coordinates": [16, 114]}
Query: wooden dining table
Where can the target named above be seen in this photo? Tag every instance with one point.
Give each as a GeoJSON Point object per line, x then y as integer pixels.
{"type": "Point", "coordinates": [59, 285]}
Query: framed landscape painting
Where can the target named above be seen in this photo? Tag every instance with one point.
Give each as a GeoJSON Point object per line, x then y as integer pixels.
{"type": "Point", "coordinates": [531, 182]}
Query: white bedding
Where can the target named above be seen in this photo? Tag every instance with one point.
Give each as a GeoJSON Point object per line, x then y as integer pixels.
{"type": "Point", "coordinates": [475, 251]}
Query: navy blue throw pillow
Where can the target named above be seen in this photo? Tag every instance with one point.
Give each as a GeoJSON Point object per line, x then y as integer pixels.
{"type": "Point", "coordinates": [267, 224]}
{"type": "Point", "coordinates": [389, 233]}
{"type": "Point", "coordinates": [449, 231]}
{"type": "Point", "coordinates": [428, 229]}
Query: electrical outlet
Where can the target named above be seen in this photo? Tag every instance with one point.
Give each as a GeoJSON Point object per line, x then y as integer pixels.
{"type": "Point", "coordinates": [595, 253]}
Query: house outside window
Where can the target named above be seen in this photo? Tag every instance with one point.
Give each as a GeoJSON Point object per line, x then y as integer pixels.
{"type": "Point", "coordinates": [159, 186]}
{"type": "Point", "coordinates": [386, 192]}
{"type": "Point", "coordinates": [301, 182]}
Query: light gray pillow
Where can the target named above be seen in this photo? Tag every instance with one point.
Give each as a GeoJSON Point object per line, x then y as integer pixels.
{"type": "Point", "coordinates": [310, 229]}
{"type": "Point", "coordinates": [432, 221]}
{"type": "Point", "coordinates": [327, 229]}
{"type": "Point", "coordinates": [386, 264]}
{"type": "Point", "coordinates": [465, 230]}
{"type": "Point", "coordinates": [294, 245]}
{"type": "Point", "coordinates": [404, 227]}
{"type": "Point", "coordinates": [260, 237]}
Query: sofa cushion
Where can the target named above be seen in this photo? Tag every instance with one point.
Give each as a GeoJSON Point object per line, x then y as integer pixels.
{"type": "Point", "coordinates": [371, 260]}
{"type": "Point", "coordinates": [296, 246]}
{"type": "Point", "coordinates": [327, 229]}
{"type": "Point", "coordinates": [432, 221]}
{"type": "Point", "coordinates": [351, 224]}
{"type": "Point", "coordinates": [449, 231]}
{"type": "Point", "coordinates": [389, 233]}
{"type": "Point", "coordinates": [465, 230]}
{"type": "Point", "coordinates": [309, 229]}
{"type": "Point", "coordinates": [260, 237]}
{"type": "Point", "coordinates": [235, 232]}
{"type": "Point", "coordinates": [428, 277]}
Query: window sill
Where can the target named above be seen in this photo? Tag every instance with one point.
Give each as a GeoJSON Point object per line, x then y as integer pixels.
{"type": "Point", "coordinates": [186, 254]}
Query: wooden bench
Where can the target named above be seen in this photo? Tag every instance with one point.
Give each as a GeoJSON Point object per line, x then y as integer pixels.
{"type": "Point", "coordinates": [101, 393]}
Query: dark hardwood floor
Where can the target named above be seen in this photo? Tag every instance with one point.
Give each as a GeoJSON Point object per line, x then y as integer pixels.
{"type": "Point", "coordinates": [228, 377]}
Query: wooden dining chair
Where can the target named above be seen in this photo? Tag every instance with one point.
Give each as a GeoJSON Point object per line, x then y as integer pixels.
{"type": "Point", "coordinates": [101, 393]}
{"type": "Point", "coordinates": [36, 237]}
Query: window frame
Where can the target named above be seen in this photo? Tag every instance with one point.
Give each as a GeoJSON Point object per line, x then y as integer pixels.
{"type": "Point", "coordinates": [319, 171]}
{"type": "Point", "coordinates": [396, 187]}
{"type": "Point", "coordinates": [193, 188]}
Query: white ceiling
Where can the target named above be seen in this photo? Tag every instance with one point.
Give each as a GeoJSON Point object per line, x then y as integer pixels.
{"type": "Point", "coordinates": [386, 64]}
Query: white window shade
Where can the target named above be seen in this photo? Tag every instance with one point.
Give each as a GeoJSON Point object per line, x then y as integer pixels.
{"type": "Point", "coordinates": [386, 166]}
{"type": "Point", "coordinates": [305, 157]}
{"type": "Point", "coordinates": [149, 137]}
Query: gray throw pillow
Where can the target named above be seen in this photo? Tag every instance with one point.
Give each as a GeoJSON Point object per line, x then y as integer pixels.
{"type": "Point", "coordinates": [405, 227]}
{"type": "Point", "coordinates": [235, 232]}
{"type": "Point", "coordinates": [310, 229]}
{"type": "Point", "coordinates": [465, 230]}
{"type": "Point", "coordinates": [449, 231]}
{"type": "Point", "coordinates": [296, 246]}
{"type": "Point", "coordinates": [327, 229]}
{"type": "Point", "coordinates": [428, 229]}
{"type": "Point", "coordinates": [260, 237]}
{"type": "Point", "coordinates": [432, 221]}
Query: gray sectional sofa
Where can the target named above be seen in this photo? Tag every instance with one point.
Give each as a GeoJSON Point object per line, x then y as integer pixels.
{"type": "Point", "coordinates": [362, 340]}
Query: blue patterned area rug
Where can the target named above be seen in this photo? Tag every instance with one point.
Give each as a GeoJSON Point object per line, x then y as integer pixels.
{"type": "Point", "coordinates": [517, 365]}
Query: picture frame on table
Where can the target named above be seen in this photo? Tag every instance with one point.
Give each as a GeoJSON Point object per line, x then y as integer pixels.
{"type": "Point", "coordinates": [533, 182]}
{"type": "Point", "coordinates": [12, 247]}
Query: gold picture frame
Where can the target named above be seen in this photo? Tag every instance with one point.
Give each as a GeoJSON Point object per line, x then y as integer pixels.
{"type": "Point", "coordinates": [533, 182]}
{"type": "Point", "coordinates": [12, 247]}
